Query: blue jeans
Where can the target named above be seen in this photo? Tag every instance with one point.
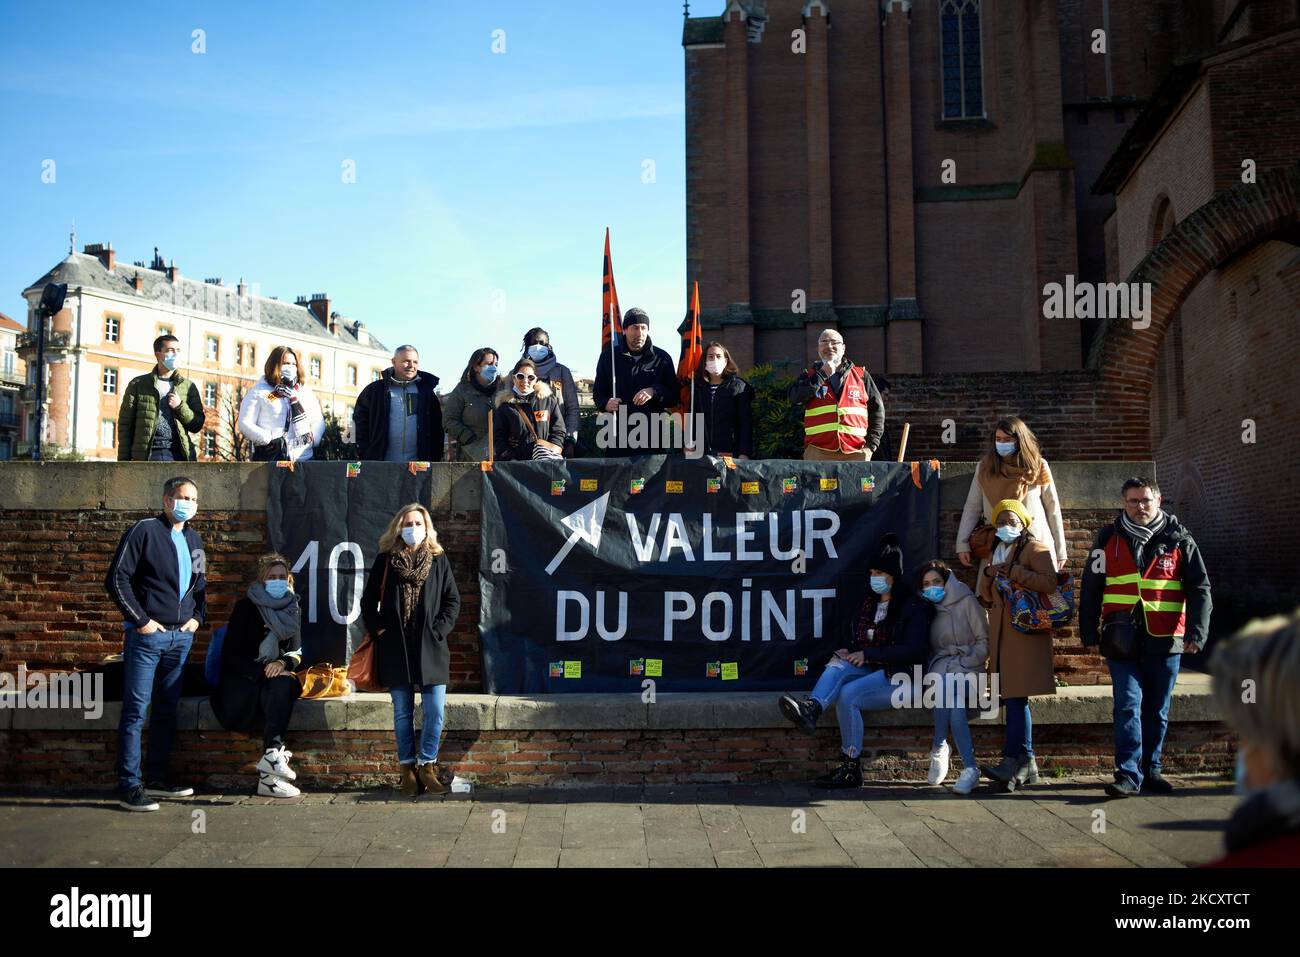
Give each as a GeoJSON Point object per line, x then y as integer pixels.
{"type": "Point", "coordinates": [433, 699]}
{"type": "Point", "coordinates": [1142, 690]}
{"type": "Point", "coordinates": [874, 692]}
{"type": "Point", "coordinates": [151, 683]}
{"type": "Point", "coordinates": [828, 686]}
{"type": "Point", "coordinates": [954, 720]}
{"type": "Point", "coordinates": [1019, 741]}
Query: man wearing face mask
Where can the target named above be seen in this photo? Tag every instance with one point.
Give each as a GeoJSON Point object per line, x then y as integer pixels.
{"type": "Point", "coordinates": [843, 414]}
{"type": "Point", "coordinates": [398, 417]}
{"type": "Point", "coordinates": [158, 581]}
{"type": "Point", "coordinates": [537, 346]}
{"type": "Point", "coordinates": [469, 406]}
{"type": "Point", "coordinates": [638, 381]}
{"type": "Point", "coordinates": [1145, 601]}
{"type": "Point", "coordinates": [160, 411]}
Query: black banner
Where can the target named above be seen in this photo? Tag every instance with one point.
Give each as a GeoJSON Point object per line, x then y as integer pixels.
{"type": "Point", "coordinates": [326, 518]}
{"type": "Point", "coordinates": [596, 575]}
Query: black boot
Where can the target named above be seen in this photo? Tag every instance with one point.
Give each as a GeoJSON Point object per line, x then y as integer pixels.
{"type": "Point", "coordinates": [803, 714]}
{"type": "Point", "coordinates": [847, 775]}
{"type": "Point", "coordinates": [1026, 772]}
{"type": "Point", "coordinates": [1001, 773]}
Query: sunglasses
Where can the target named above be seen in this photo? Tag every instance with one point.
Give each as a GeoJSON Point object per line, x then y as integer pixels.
{"type": "Point", "coordinates": [525, 378]}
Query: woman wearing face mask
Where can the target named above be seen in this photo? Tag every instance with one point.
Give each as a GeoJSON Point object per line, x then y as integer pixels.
{"type": "Point", "coordinates": [529, 423]}
{"type": "Point", "coordinates": [1013, 467]}
{"type": "Point", "coordinates": [280, 415]}
{"type": "Point", "coordinates": [465, 412]}
{"type": "Point", "coordinates": [889, 637]}
{"type": "Point", "coordinates": [257, 690]}
{"type": "Point", "coordinates": [725, 403]}
{"type": "Point", "coordinates": [409, 606]}
{"type": "Point", "coordinates": [959, 648]}
{"type": "Point", "coordinates": [537, 347]}
{"type": "Point", "coordinates": [1264, 830]}
{"type": "Point", "coordinates": [1022, 662]}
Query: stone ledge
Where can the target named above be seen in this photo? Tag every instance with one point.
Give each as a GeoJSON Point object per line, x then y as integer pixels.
{"type": "Point", "coordinates": [1089, 704]}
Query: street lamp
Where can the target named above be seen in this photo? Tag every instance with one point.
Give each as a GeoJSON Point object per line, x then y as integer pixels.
{"type": "Point", "coordinates": [51, 302]}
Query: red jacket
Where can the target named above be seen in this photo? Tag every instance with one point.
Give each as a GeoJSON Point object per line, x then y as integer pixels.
{"type": "Point", "coordinates": [1280, 851]}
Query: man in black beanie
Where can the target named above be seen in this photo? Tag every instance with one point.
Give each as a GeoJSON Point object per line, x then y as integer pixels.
{"type": "Point", "coordinates": [634, 380]}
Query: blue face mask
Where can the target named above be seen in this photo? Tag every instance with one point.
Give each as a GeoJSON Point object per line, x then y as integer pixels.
{"type": "Point", "coordinates": [1005, 448]}
{"type": "Point", "coordinates": [489, 373]}
{"type": "Point", "coordinates": [183, 509]}
{"type": "Point", "coordinates": [1007, 533]}
{"type": "Point", "coordinates": [277, 587]}
{"type": "Point", "coordinates": [169, 363]}
{"type": "Point", "coordinates": [933, 593]}
{"type": "Point", "coordinates": [879, 584]}
{"type": "Point", "coordinates": [538, 352]}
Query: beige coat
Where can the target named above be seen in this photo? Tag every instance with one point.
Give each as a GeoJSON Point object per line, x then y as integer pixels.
{"type": "Point", "coordinates": [1022, 662]}
{"type": "Point", "coordinates": [1044, 508]}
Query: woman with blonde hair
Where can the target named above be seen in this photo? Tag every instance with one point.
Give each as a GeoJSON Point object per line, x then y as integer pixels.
{"type": "Point", "coordinates": [280, 415]}
{"type": "Point", "coordinates": [409, 606]}
{"type": "Point", "coordinates": [257, 690]}
{"type": "Point", "coordinates": [1013, 467]}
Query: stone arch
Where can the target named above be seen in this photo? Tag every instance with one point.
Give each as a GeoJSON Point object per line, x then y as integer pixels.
{"type": "Point", "coordinates": [1234, 221]}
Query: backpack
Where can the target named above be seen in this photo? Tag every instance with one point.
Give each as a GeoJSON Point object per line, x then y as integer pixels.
{"type": "Point", "coordinates": [212, 665]}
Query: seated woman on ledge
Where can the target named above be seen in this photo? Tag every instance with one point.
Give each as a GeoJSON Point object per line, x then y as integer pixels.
{"type": "Point", "coordinates": [890, 636]}
{"type": "Point", "coordinates": [257, 692]}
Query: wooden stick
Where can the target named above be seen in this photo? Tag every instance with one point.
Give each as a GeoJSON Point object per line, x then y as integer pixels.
{"type": "Point", "coordinates": [902, 445]}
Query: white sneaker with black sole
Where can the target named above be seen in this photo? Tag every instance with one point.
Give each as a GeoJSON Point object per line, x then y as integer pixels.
{"type": "Point", "coordinates": [137, 800]}
{"type": "Point", "coordinates": [967, 780]}
{"type": "Point", "coordinates": [276, 762]}
{"type": "Point", "coordinates": [269, 785]}
{"type": "Point", "coordinates": [938, 764]}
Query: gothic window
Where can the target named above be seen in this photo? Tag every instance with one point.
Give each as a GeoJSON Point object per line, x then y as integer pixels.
{"type": "Point", "coordinates": [961, 59]}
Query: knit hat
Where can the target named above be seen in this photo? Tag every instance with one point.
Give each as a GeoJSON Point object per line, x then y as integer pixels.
{"type": "Point", "coordinates": [1011, 505]}
{"type": "Point", "coordinates": [635, 315]}
{"type": "Point", "coordinates": [890, 557]}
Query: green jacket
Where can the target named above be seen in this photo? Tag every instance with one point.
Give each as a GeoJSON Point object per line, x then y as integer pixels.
{"type": "Point", "coordinates": [465, 414]}
{"type": "Point", "coordinates": [139, 414]}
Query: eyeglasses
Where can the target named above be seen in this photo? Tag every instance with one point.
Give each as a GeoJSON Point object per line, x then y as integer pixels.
{"type": "Point", "coordinates": [1139, 501]}
{"type": "Point", "coordinates": [830, 342]}
{"type": "Point", "coordinates": [525, 378]}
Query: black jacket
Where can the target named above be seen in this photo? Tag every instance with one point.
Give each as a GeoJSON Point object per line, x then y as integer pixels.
{"type": "Point", "coordinates": [236, 701]}
{"type": "Point", "coordinates": [510, 436]}
{"type": "Point", "coordinates": [805, 387]}
{"type": "Point", "coordinates": [371, 419]}
{"type": "Point", "coordinates": [143, 579]}
{"type": "Point", "coordinates": [420, 657]}
{"type": "Point", "coordinates": [902, 639]}
{"type": "Point", "coordinates": [728, 416]}
{"type": "Point", "coordinates": [652, 368]}
{"type": "Point", "coordinates": [1196, 589]}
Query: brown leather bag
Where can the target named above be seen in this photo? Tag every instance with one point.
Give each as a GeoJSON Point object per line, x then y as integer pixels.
{"type": "Point", "coordinates": [322, 681]}
{"type": "Point", "coordinates": [983, 539]}
{"type": "Point", "coordinates": [363, 670]}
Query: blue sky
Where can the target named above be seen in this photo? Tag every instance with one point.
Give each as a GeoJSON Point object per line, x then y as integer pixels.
{"type": "Point", "coordinates": [484, 181]}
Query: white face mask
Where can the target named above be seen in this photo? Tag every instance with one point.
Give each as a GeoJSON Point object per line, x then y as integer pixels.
{"type": "Point", "coordinates": [289, 372]}
{"type": "Point", "coordinates": [413, 534]}
{"type": "Point", "coordinates": [715, 366]}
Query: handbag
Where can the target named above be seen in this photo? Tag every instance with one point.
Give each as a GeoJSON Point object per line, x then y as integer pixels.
{"type": "Point", "coordinates": [1033, 612]}
{"type": "Point", "coordinates": [982, 539]}
{"type": "Point", "coordinates": [363, 669]}
{"type": "Point", "coordinates": [323, 681]}
{"type": "Point", "coordinates": [1119, 638]}
{"type": "Point", "coordinates": [542, 449]}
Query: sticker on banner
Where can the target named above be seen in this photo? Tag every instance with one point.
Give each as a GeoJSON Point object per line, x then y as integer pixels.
{"type": "Point", "coordinates": [557, 487]}
{"type": "Point", "coordinates": [829, 485]}
{"type": "Point", "coordinates": [712, 669]}
{"type": "Point", "coordinates": [654, 667]}
{"type": "Point", "coordinates": [789, 486]}
{"type": "Point", "coordinates": [674, 488]}
{"type": "Point", "coordinates": [573, 669]}
{"type": "Point", "coordinates": [730, 670]}
{"type": "Point", "coordinates": [354, 469]}
{"type": "Point", "coordinates": [637, 485]}
{"type": "Point", "coordinates": [748, 488]}
{"type": "Point", "coordinates": [588, 485]}
{"type": "Point", "coordinates": [801, 667]}
{"type": "Point", "coordinates": [636, 666]}
{"type": "Point", "coordinates": [713, 485]}
{"type": "Point", "coordinates": [557, 669]}
{"type": "Point", "coordinates": [869, 484]}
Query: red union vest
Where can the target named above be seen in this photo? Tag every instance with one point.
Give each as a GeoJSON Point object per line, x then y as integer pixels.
{"type": "Point", "coordinates": [838, 426]}
{"type": "Point", "coordinates": [1159, 589]}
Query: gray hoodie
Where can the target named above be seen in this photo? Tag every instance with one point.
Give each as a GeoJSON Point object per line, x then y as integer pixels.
{"type": "Point", "coordinates": [959, 634]}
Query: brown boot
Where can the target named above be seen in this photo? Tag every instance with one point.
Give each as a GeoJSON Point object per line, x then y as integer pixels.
{"type": "Point", "coordinates": [410, 786]}
{"type": "Point", "coordinates": [429, 778]}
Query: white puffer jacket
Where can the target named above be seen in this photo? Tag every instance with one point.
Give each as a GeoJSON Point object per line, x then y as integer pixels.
{"type": "Point", "coordinates": [263, 417]}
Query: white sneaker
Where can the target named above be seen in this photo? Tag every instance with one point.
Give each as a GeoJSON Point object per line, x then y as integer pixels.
{"type": "Point", "coordinates": [268, 785]}
{"type": "Point", "coordinates": [276, 762]}
{"type": "Point", "coordinates": [939, 764]}
{"type": "Point", "coordinates": [967, 780]}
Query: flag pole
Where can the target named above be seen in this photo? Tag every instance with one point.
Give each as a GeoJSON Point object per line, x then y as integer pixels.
{"type": "Point", "coordinates": [613, 373]}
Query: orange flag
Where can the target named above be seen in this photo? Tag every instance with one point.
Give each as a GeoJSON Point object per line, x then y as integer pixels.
{"type": "Point", "coordinates": [692, 349]}
{"type": "Point", "coordinates": [609, 311]}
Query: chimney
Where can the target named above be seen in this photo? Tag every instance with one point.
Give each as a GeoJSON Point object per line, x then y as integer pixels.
{"type": "Point", "coordinates": [359, 330]}
{"type": "Point", "coordinates": [334, 323]}
{"type": "Point", "coordinates": [241, 290]}
{"type": "Point", "coordinates": [104, 253]}
{"type": "Point", "coordinates": [137, 282]}
{"type": "Point", "coordinates": [173, 273]}
{"type": "Point", "coordinates": [157, 261]}
{"type": "Point", "coordinates": [320, 307]}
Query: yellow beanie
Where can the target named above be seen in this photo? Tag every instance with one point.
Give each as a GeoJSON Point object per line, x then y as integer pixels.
{"type": "Point", "coordinates": [1011, 505]}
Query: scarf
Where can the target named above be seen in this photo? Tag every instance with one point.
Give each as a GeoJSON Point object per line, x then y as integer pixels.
{"type": "Point", "coordinates": [295, 425]}
{"type": "Point", "coordinates": [546, 366]}
{"type": "Point", "coordinates": [283, 620]}
{"type": "Point", "coordinates": [1011, 481]}
{"type": "Point", "coordinates": [1269, 813]}
{"type": "Point", "coordinates": [412, 566]}
{"type": "Point", "coordinates": [1141, 535]}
